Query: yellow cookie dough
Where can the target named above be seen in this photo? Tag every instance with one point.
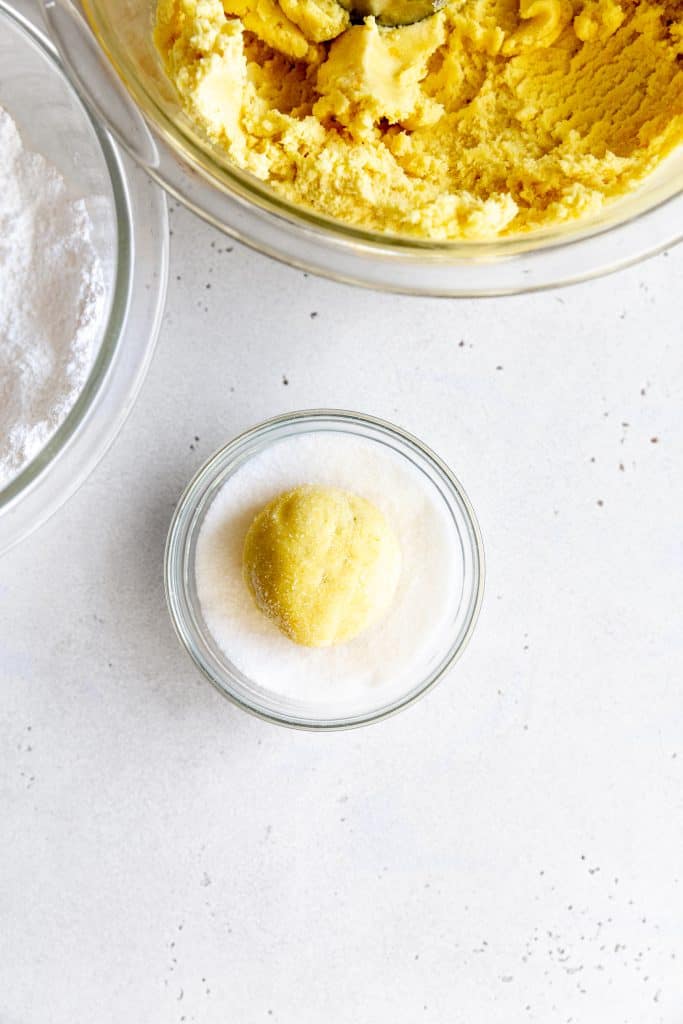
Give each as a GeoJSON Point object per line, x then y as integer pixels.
{"type": "Point", "coordinates": [489, 118]}
{"type": "Point", "coordinates": [322, 563]}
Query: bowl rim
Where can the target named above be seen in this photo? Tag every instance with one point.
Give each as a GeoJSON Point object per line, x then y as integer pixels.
{"type": "Point", "coordinates": [183, 528]}
{"type": "Point", "coordinates": [36, 484]}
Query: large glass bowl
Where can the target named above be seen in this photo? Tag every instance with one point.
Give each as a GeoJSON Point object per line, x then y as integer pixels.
{"type": "Point", "coordinates": [131, 236]}
{"type": "Point", "coordinates": [141, 107]}
{"type": "Point", "coordinates": [255, 695]}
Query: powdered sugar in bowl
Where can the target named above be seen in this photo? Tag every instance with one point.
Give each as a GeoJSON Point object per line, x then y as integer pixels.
{"type": "Point", "coordinates": [65, 395]}
{"type": "Point", "coordinates": [381, 670]}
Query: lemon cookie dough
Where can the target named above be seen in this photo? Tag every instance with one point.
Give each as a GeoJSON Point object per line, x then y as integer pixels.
{"type": "Point", "coordinates": [489, 118]}
{"type": "Point", "coordinates": [322, 563]}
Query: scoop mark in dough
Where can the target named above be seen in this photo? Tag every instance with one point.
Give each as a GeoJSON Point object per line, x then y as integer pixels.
{"type": "Point", "coordinates": [491, 118]}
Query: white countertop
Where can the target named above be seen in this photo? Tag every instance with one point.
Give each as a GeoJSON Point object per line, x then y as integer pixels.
{"type": "Point", "coordinates": [508, 850]}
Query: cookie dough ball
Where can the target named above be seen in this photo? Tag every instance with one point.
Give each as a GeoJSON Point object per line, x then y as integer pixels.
{"type": "Point", "coordinates": [322, 563]}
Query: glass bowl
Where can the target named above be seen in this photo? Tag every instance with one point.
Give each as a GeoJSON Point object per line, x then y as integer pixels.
{"type": "Point", "coordinates": [131, 237]}
{"type": "Point", "coordinates": [185, 607]}
{"type": "Point", "coordinates": [141, 107]}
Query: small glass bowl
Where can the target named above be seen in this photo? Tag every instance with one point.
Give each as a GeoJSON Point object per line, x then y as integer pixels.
{"type": "Point", "coordinates": [181, 589]}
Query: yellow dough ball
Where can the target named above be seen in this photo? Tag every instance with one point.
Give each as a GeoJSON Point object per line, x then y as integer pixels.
{"type": "Point", "coordinates": [322, 563]}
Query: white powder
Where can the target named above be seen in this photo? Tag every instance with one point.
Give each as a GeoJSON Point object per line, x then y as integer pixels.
{"type": "Point", "coordinates": [395, 654]}
{"type": "Point", "coordinates": [51, 300]}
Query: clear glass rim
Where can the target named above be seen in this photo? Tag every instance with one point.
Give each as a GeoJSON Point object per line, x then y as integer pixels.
{"type": "Point", "coordinates": [184, 521]}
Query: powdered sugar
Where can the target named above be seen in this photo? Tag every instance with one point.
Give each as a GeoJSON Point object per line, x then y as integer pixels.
{"type": "Point", "coordinates": [52, 299]}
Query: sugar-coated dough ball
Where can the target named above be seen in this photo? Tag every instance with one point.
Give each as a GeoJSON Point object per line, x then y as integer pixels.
{"type": "Point", "coordinates": [322, 563]}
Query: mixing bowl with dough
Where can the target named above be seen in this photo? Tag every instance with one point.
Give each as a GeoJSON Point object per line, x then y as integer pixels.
{"type": "Point", "coordinates": [486, 119]}
{"type": "Point", "coordinates": [481, 174]}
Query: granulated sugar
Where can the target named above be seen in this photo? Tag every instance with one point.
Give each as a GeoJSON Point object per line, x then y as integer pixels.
{"type": "Point", "coordinates": [394, 654]}
{"type": "Point", "coordinates": [51, 300]}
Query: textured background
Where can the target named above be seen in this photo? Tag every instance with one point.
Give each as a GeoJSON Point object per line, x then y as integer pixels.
{"type": "Point", "coordinates": [507, 851]}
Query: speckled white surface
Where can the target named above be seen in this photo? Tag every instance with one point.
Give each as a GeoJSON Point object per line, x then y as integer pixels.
{"type": "Point", "coordinates": [508, 850]}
